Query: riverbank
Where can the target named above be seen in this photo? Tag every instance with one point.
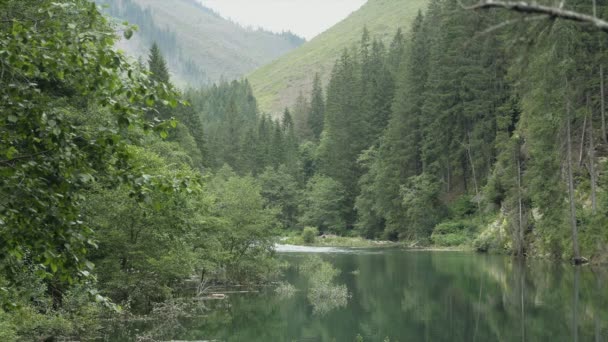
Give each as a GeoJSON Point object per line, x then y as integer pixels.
{"type": "Point", "coordinates": [359, 242]}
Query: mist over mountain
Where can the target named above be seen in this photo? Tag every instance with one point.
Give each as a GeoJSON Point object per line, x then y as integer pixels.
{"type": "Point", "coordinates": [200, 46]}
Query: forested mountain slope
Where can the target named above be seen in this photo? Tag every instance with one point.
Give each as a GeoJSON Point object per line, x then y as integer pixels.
{"type": "Point", "coordinates": [200, 45]}
{"type": "Point", "coordinates": [278, 84]}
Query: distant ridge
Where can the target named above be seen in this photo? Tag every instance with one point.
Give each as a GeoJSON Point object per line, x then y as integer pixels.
{"type": "Point", "coordinates": [277, 84]}
{"type": "Point", "coordinates": [200, 45]}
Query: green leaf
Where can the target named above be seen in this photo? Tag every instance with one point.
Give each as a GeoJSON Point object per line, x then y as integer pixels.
{"type": "Point", "coordinates": [12, 118]}
{"type": "Point", "coordinates": [11, 152]}
{"type": "Point", "coordinates": [128, 34]}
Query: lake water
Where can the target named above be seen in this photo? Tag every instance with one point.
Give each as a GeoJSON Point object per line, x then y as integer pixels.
{"type": "Point", "coordinates": [420, 296]}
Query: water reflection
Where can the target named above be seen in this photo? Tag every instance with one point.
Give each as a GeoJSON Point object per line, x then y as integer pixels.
{"type": "Point", "coordinates": [424, 296]}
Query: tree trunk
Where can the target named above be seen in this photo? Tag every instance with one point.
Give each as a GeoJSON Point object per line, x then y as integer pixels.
{"type": "Point", "coordinates": [592, 163]}
{"type": "Point", "coordinates": [603, 105]}
{"type": "Point", "coordinates": [576, 250]}
{"type": "Point", "coordinates": [583, 135]}
{"type": "Point", "coordinates": [520, 249]}
{"type": "Point", "coordinates": [477, 199]}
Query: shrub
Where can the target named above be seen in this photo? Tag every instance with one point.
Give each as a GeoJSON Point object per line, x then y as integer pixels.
{"type": "Point", "coordinates": [449, 240]}
{"type": "Point", "coordinates": [7, 329]}
{"type": "Point", "coordinates": [309, 234]}
{"type": "Point", "coordinates": [452, 233]}
{"type": "Point", "coordinates": [463, 207]}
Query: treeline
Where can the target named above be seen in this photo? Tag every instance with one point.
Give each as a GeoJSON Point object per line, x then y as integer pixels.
{"type": "Point", "coordinates": [478, 128]}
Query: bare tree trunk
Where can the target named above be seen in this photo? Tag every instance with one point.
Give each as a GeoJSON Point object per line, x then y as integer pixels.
{"type": "Point", "coordinates": [576, 250]}
{"type": "Point", "coordinates": [603, 105]}
{"type": "Point", "coordinates": [594, 8]}
{"type": "Point", "coordinates": [520, 250]}
{"type": "Point", "coordinates": [592, 162]}
{"type": "Point", "coordinates": [477, 199]}
{"type": "Point", "coordinates": [535, 8]}
{"type": "Point", "coordinates": [582, 151]}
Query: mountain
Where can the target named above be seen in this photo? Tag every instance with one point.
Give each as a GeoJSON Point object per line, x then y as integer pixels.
{"type": "Point", "coordinates": [277, 84]}
{"type": "Point", "coordinates": [199, 45]}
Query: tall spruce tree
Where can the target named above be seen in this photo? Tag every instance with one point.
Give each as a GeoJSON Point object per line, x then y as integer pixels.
{"type": "Point", "coordinates": [157, 65]}
{"type": "Point", "coordinates": [316, 117]}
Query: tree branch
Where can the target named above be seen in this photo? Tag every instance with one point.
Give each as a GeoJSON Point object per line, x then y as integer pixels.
{"type": "Point", "coordinates": [556, 12]}
{"type": "Point", "coordinates": [14, 160]}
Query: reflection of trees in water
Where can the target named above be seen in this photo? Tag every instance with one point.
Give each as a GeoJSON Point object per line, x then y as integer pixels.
{"type": "Point", "coordinates": [464, 297]}
{"type": "Point", "coordinates": [535, 304]}
{"type": "Point", "coordinates": [426, 297]}
{"type": "Point", "coordinates": [324, 294]}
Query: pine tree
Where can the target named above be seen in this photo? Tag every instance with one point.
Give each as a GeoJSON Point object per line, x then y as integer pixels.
{"type": "Point", "coordinates": [157, 65]}
{"type": "Point", "coordinates": [399, 155]}
{"type": "Point", "coordinates": [316, 117]}
{"type": "Point", "coordinates": [301, 112]}
{"type": "Point", "coordinates": [342, 142]}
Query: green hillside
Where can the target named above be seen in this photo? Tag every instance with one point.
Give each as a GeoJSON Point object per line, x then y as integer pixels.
{"type": "Point", "coordinates": [278, 84]}
{"type": "Point", "coordinates": [200, 45]}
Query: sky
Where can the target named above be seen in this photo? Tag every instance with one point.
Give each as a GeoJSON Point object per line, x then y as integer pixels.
{"type": "Point", "coordinates": [306, 18]}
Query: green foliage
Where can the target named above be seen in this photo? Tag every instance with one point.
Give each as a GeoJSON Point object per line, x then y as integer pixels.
{"type": "Point", "coordinates": [316, 116]}
{"type": "Point", "coordinates": [60, 67]}
{"type": "Point", "coordinates": [323, 293]}
{"type": "Point", "coordinates": [309, 235]}
{"type": "Point", "coordinates": [453, 233]}
{"type": "Point", "coordinates": [7, 329]}
{"type": "Point", "coordinates": [323, 205]}
{"type": "Point", "coordinates": [285, 290]}
{"type": "Point", "coordinates": [157, 65]}
{"type": "Point", "coordinates": [247, 227]}
{"type": "Point", "coordinates": [132, 267]}
{"type": "Point", "coordinates": [280, 190]}
{"type": "Point", "coordinates": [462, 207]}
{"type": "Point", "coordinates": [423, 209]}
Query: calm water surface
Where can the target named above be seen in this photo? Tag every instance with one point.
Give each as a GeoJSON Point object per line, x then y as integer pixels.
{"type": "Point", "coordinates": [421, 296]}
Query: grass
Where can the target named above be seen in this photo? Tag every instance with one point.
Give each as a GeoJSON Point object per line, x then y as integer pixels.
{"type": "Point", "coordinates": [277, 85]}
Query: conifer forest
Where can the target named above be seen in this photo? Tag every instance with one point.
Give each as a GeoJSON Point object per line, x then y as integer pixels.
{"type": "Point", "coordinates": [468, 148]}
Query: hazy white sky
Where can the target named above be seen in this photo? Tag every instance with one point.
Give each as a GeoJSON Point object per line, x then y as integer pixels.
{"type": "Point", "coordinates": [306, 18]}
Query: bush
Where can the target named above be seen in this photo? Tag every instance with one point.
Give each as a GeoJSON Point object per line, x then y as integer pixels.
{"type": "Point", "coordinates": [309, 234]}
{"type": "Point", "coordinates": [7, 329]}
{"type": "Point", "coordinates": [453, 227]}
{"type": "Point", "coordinates": [464, 206]}
{"type": "Point", "coordinates": [449, 240]}
{"type": "Point", "coordinates": [452, 233]}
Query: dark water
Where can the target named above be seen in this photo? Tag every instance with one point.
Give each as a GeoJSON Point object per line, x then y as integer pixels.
{"type": "Point", "coordinates": [423, 296]}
